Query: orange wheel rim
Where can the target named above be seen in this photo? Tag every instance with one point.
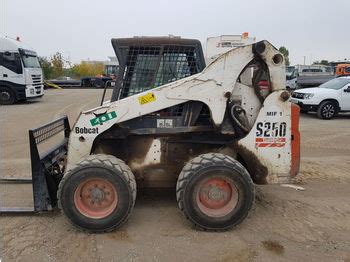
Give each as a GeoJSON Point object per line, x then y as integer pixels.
{"type": "Point", "coordinates": [96, 198]}
{"type": "Point", "coordinates": [216, 197]}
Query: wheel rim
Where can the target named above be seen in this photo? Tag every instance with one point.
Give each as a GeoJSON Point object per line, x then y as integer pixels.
{"type": "Point", "coordinates": [216, 197]}
{"type": "Point", "coordinates": [328, 110]}
{"type": "Point", "coordinates": [5, 96]}
{"type": "Point", "coordinates": [96, 198]}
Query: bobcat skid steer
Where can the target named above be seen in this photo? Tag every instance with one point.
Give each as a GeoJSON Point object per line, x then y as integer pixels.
{"type": "Point", "coordinates": [209, 131]}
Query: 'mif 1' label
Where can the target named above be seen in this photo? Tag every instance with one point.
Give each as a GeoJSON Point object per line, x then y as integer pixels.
{"type": "Point", "coordinates": [103, 118]}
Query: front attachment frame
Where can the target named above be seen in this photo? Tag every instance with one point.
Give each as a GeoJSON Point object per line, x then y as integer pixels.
{"type": "Point", "coordinates": [47, 167]}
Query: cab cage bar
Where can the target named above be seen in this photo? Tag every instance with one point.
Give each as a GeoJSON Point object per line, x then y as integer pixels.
{"type": "Point", "coordinates": [44, 183]}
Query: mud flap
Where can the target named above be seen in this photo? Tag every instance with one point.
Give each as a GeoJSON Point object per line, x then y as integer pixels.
{"type": "Point", "coordinates": [47, 167]}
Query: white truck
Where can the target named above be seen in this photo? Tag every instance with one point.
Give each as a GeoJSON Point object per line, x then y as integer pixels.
{"type": "Point", "coordinates": [21, 76]}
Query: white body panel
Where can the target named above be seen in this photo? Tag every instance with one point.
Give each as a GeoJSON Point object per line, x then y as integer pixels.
{"type": "Point", "coordinates": [276, 158]}
{"type": "Point", "coordinates": [218, 45]}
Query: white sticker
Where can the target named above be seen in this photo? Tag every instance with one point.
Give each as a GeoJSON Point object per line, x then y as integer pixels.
{"type": "Point", "coordinates": [164, 123]}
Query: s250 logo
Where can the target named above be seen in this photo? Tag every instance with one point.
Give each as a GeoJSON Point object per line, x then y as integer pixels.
{"type": "Point", "coordinates": [271, 134]}
{"type": "Point", "coordinates": [271, 129]}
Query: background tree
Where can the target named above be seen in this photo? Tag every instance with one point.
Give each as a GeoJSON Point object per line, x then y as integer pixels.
{"type": "Point", "coordinates": [57, 65]}
{"type": "Point", "coordinates": [285, 53]}
{"type": "Point", "coordinates": [54, 68]}
{"type": "Point", "coordinates": [46, 66]}
{"type": "Point", "coordinates": [322, 62]}
{"type": "Point", "coordinates": [87, 69]}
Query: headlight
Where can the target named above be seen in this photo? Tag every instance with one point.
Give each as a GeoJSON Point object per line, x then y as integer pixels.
{"type": "Point", "coordinates": [308, 96]}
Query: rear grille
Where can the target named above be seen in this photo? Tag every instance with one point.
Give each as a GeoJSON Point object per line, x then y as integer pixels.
{"type": "Point", "coordinates": [37, 83]}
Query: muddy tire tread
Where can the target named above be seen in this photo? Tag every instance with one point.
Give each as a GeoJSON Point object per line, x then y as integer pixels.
{"type": "Point", "coordinates": [102, 160]}
{"type": "Point", "coordinates": [205, 160]}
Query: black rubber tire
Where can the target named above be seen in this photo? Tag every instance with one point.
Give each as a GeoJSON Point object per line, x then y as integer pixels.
{"type": "Point", "coordinates": [98, 166]}
{"type": "Point", "coordinates": [11, 96]}
{"type": "Point", "coordinates": [98, 83]}
{"type": "Point", "coordinates": [201, 168]}
{"type": "Point", "coordinates": [327, 110]}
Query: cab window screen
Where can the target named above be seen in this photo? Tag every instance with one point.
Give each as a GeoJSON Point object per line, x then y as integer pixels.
{"type": "Point", "coordinates": [11, 61]}
{"type": "Point", "coordinates": [150, 67]}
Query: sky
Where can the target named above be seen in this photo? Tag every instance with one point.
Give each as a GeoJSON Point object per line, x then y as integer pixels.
{"type": "Point", "coordinates": [82, 30]}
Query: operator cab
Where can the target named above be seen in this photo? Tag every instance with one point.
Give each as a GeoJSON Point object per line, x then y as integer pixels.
{"type": "Point", "coordinates": [149, 62]}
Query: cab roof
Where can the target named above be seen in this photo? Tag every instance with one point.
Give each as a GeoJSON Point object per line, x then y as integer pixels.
{"type": "Point", "coordinates": [11, 45]}
{"type": "Point", "coordinates": [120, 44]}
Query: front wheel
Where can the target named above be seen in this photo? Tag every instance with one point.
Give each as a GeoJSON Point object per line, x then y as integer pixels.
{"type": "Point", "coordinates": [7, 96]}
{"type": "Point", "coordinates": [215, 192]}
{"type": "Point", "coordinates": [327, 110]}
{"type": "Point", "coordinates": [99, 194]}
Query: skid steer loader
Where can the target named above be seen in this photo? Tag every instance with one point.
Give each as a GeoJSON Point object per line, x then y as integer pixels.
{"type": "Point", "coordinates": [172, 121]}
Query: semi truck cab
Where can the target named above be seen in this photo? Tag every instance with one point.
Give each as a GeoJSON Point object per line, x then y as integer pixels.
{"type": "Point", "coordinates": [21, 76]}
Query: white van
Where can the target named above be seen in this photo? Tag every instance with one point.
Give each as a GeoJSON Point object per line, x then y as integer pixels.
{"type": "Point", "coordinates": [21, 76]}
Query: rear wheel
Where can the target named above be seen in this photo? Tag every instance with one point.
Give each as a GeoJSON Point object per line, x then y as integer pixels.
{"type": "Point", "coordinates": [327, 110]}
{"type": "Point", "coordinates": [7, 96]}
{"type": "Point", "coordinates": [99, 194]}
{"type": "Point", "coordinates": [215, 192]}
{"type": "Point", "coordinates": [98, 83]}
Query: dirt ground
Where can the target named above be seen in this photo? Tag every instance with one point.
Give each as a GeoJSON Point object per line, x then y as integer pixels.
{"type": "Point", "coordinates": [285, 224]}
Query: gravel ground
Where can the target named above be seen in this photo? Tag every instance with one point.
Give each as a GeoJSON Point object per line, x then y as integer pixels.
{"type": "Point", "coordinates": [285, 224]}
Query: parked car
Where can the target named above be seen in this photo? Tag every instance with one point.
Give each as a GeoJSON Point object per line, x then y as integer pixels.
{"type": "Point", "coordinates": [327, 100]}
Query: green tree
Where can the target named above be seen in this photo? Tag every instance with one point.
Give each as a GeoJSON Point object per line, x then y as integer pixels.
{"type": "Point", "coordinates": [46, 67]}
{"type": "Point", "coordinates": [88, 69]}
{"type": "Point", "coordinates": [57, 65]}
{"type": "Point", "coordinates": [285, 53]}
{"type": "Point", "coordinates": [324, 62]}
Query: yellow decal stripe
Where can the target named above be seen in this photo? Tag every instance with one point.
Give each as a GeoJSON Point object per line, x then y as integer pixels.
{"type": "Point", "coordinates": [147, 98]}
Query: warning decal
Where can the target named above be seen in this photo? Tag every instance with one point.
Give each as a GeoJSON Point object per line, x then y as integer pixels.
{"type": "Point", "coordinates": [147, 98]}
